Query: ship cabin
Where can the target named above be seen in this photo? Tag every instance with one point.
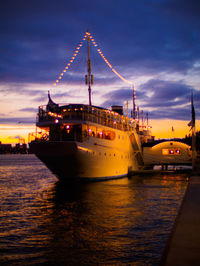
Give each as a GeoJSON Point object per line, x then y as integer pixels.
{"type": "Point", "coordinates": [75, 122]}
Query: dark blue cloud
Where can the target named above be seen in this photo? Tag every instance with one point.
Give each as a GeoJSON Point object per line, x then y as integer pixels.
{"type": "Point", "coordinates": [38, 35]}
{"type": "Point", "coordinates": [140, 38]}
{"type": "Point", "coordinates": [28, 109]}
{"type": "Point", "coordinates": [18, 120]}
{"type": "Point", "coordinates": [168, 99]}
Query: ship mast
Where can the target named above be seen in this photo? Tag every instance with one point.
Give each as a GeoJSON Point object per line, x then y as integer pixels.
{"type": "Point", "coordinates": [89, 79]}
{"type": "Point", "coordinates": [134, 106]}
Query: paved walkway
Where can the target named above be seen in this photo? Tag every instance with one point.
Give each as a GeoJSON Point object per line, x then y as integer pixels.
{"type": "Point", "coordinates": [183, 247]}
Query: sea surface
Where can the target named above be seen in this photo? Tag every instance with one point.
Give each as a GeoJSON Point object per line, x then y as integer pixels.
{"type": "Point", "coordinates": [117, 222]}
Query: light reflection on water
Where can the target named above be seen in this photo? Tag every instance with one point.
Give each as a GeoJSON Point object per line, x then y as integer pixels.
{"type": "Point", "coordinates": [43, 221]}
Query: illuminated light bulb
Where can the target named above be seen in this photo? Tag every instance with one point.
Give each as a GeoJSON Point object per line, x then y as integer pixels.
{"type": "Point", "coordinates": [87, 34]}
{"type": "Point", "coordinates": [54, 84]}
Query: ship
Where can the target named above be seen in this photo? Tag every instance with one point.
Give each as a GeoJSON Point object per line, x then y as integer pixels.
{"type": "Point", "coordinates": [83, 141]}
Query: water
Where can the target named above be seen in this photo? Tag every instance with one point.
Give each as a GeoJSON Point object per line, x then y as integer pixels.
{"type": "Point", "coordinates": [116, 222]}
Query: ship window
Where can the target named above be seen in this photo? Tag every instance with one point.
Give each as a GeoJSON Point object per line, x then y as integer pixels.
{"type": "Point", "coordinates": [171, 151]}
{"type": "Point", "coordinates": [165, 151]}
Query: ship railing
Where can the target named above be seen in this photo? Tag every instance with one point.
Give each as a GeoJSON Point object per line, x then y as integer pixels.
{"type": "Point", "coordinates": [86, 113]}
{"type": "Point", "coordinates": [38, 136]}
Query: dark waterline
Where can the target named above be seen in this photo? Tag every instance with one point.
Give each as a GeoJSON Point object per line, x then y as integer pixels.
{"type": "Point", "coordinates": [116, 222]}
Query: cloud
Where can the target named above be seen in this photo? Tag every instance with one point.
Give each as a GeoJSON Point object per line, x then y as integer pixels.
{"type": "Point", "coordinates": [28, 109]}
{"type": "Point", "coordinates": [163, 99]}
{"type": "Point", "coordinates": [15, 137]}
{"type": "Point", "coordinates": [18, 120]}
{"type": "Point", "coordinates": [37, 40]}
{"type": "Point", "coordinates": [143, 40]}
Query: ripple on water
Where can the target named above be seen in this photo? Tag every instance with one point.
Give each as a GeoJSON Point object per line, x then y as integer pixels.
{"type": "Point", "coordinates": [43, 221]}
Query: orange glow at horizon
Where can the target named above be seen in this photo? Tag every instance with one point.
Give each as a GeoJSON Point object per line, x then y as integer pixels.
{"type": "Point", "coordinates": [10, 134]}
{"type": "Point", "coordinates": [163, 128]}
{"type": "Point", "coordinates": [160, 129]}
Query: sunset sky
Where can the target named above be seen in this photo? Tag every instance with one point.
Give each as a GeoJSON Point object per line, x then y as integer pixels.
{"type": "Point", "coordinates": [153, 43]}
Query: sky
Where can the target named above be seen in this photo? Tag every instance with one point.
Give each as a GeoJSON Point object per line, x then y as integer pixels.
{"type": "Point", "coordinates": [153, 43]}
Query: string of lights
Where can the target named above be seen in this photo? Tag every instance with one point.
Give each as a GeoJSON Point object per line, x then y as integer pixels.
{"type": "Point", "coordinates": [100, 53]}
{"type": "Point", "coordinates": [107, 62]}
{"type": "Point", "coordinates": [70, 61]}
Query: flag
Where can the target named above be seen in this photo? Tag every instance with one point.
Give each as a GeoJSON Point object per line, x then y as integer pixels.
{"type": "Point", "coordinates": [192, 122]}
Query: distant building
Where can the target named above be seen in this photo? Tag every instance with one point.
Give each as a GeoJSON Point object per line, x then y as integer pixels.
{"type": "Point", "coordinates": [18, 148]}
{"type": "Point", "coordinates": [5, 148]}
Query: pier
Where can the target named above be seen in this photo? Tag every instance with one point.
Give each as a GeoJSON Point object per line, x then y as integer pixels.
{"type": "Point", "coordinates": [183, 247]}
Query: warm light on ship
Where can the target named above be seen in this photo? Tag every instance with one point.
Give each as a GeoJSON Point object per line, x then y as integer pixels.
{"type": "Point", "coordinates": [84, 149]}
{"type": "Point", "coordinates": [56, 121]}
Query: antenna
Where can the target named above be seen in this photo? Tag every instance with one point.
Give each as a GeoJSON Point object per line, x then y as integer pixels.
{"type": "Point", "coordinates": [147, 117]}
{"type": "Point", "coordinates": [89, 79]}
{"type": "Point", "coordinates": [134, 106]}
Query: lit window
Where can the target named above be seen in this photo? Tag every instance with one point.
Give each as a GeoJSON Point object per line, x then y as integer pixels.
{"type": "Point", "coordinates": [165, 151]}
{"type": "Point", "coordinates": [177, 151]}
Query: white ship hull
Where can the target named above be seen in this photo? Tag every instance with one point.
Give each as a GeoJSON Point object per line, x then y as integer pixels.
{"type": "Point", "coordinates": [94, 158]}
